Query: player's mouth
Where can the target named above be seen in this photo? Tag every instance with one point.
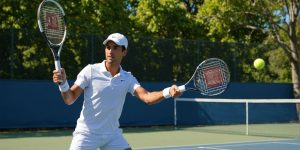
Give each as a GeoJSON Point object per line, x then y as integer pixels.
{"type": "Point", "coordinates": [110, 57]}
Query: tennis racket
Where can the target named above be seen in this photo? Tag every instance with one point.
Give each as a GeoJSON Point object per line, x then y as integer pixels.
{"type": "Point", "coordinates": [52, 25]}
{"type": "Point", "coordinates": [210, 78]}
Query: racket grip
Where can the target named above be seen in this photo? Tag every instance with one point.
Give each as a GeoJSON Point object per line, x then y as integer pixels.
{"type": "Point", "coordinates": [57, 65]}
{"type": "Point", "coordinates": [181, 88]}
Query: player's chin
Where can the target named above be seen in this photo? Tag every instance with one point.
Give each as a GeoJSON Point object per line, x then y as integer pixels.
{"type": "Point", "coordinates": [109, 60]}
{"type": "Point", "coordinates": [112, 60]}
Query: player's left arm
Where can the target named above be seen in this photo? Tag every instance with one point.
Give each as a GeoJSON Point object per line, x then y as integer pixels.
{"type": "Point", "coordinates": [155, 96]}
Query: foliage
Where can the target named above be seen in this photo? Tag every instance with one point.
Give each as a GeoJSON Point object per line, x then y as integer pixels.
{"type": "Point", "coordinates": [231, 21]}
{"type": "Point", "coordinates": [167, 38]}
{"type": "Point", "coordinates": [166, 19]}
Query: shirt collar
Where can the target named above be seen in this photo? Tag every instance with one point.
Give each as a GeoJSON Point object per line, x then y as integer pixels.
{"type": "Point", "coordinates": [103, 68]}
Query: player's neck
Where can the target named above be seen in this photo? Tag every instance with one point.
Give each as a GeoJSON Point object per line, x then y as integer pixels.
{"type": "Point", "coordinates": [112, 68]}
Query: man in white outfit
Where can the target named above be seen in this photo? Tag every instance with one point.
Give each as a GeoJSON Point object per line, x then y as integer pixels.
{"type": "Point", "coordinates": [105, 86]}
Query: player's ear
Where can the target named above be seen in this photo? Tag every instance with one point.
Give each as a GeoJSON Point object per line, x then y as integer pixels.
{"type": "Point", "coordinates": [124, 51]}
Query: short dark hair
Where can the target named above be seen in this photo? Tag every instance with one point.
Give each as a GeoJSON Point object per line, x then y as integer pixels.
{"type": "Point", "coordinates": [123, 47]}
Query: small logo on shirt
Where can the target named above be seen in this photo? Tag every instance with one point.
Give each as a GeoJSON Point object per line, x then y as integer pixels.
{"type": "Point", "coordinates": [122, 80]}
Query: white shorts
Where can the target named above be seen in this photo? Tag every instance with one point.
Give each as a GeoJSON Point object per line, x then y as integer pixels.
{"type": "Point", "coordinates": [90, 141]}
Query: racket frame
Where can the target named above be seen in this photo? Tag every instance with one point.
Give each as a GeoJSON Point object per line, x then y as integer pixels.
{"type": "Point", "coordinates": [185, 87]}
{"type": "Point", "coordinates": [55, 48]}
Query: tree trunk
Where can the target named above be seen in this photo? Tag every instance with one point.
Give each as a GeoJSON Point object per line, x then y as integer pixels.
{"type": "Point", "coordinates": [296, 79]}
{"type": "Point", "coordinates": [295, 64]}
{"type": "Point", "coordinates": [293, 15]}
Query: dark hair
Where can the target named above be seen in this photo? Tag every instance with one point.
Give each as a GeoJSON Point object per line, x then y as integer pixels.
{"type": "Point", "coordinates": [123, 48]}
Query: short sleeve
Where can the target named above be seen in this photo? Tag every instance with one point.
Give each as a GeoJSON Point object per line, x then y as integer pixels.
{"type": "Point", "coordinates": [133, 84]}
{"type": "Point", "coordinates": [83, 78]}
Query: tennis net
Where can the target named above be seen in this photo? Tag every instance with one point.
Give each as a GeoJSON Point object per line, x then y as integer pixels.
{"type": "Point", "coordinates": [259, 117]}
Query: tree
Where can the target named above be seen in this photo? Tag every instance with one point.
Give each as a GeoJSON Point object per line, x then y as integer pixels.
{"type": "Point", "coordinates": [283, 21]}
{"type": "Point", "coordinates": [161, 29]}
{"type": "Point", "coordinates": [286, 26]}
{"type": "Point", "coordinates": [168, 31]}
{"type": "Point", "coordinates": [231, 21]}
{"type": "Point", "coordinates": [86, 21]}
{"type": "Point", "coordinates": [166, 19]}
{"type": "Point", "coordinates": [192, 5]}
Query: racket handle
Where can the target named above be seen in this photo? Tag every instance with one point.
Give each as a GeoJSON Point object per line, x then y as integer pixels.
{"type": "Point", "coordinates": [58, 67]}
{"type": "Point", "coordinates": [181, 88]}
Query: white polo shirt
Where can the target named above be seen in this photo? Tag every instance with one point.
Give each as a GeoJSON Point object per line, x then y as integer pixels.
{"type": "Point", "coordinates": [104, 97]}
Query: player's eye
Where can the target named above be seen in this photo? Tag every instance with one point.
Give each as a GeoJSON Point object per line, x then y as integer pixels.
{"type": "Point", "coordinates": [112, 47]}
{"type": "Point", "coordinates": [116, 47]}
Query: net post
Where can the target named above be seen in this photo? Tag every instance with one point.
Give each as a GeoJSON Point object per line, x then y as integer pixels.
{"type": "Point", "coordinates": [298, 111]}
{"type": "Point", "coordinates": [247, 117]}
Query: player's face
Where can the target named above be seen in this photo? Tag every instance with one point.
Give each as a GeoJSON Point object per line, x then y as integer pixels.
{"type": "Point", "coordinates": [114, 53]}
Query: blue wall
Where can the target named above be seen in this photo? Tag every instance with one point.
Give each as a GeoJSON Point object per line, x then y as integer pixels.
{"type": "Point", "coordinates": [234, 113]}
{"type": "Point", "coordinates": [38, 104]}
{"type": "Point", "coordinates": [30, 104]}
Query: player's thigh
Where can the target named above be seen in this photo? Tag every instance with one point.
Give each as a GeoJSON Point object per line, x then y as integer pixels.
{"type": "Point", "coordinates": [82, 141]}
{"type": "Point", "coordinates": [117, 142]}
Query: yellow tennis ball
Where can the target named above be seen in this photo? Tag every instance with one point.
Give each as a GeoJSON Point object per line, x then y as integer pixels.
{"type": "Point", "coordinates": [259, 63]}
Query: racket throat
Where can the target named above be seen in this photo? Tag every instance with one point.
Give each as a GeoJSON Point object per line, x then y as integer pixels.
{"type": "Point", "coordinates": [56, 52]}
{"type": "Point", "coordinates": [56, 57]}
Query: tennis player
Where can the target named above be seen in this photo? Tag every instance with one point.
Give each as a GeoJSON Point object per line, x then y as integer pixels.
{"type": "Point", "coordinates": [105, 86]}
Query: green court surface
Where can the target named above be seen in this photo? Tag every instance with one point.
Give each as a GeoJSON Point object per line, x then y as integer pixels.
{"type": "Point", "coordinates": [168, 136]}
{"type": "Point", "coordinates": [137, 137]}
{"type": "Point", "coordinates": [35, 140]}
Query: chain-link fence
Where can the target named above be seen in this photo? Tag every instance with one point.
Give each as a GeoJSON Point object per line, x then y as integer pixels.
{"type": "Point", "coordinates": [25, 55]}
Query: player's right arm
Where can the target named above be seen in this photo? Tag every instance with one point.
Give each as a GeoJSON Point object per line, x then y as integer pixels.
{"type": "Point", "coordinates": [71, 94]}
{"type": "Point", "coordinates": [155, 96]}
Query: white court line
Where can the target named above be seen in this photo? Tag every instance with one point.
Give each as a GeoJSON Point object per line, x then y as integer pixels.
{"type": "Point", "coordinates": [193, 148]}
{"type": "Point", "coordinates": [213, 148]}
{"type": "Point", "coordinates": [238, 100]}
{"type": "Point", "coordinates": [187, 147]}
{"type": "Point", "coordinates": [287, 143]}
{"type": "Point", "coordinates": [258, 143]}
{"type": "Point", "coordinates": [218, 146]}
{"type": "Point", "coordinates": [244, 144]}
{"type": "Point", "coordinates": [168, 147]}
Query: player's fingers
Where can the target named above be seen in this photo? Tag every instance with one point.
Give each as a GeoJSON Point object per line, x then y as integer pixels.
{"type": "Point", "coordinates": [56, 80]}
{"type": "Point", "coordinates": [55, 72]}
{"type": "Point", "coordinates": [174, 91]}
{"type": "Point", "coordinates": [176, 88]}
{"type": "Point", "coordinates": [56, 77]}
{"type": "Point", "coordinates": [178, 93]}
{"type": "Point", "coordinates": [63, 74]}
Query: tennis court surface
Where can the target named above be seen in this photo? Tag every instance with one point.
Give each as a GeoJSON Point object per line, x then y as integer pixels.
{"type": "Point", "coordinates": [262, 125]}
{"type": "Point", "coordinates": [262, 145]}
{"type": "Point", "coordinates": [266, 124]}
{"type": "Point", "coordinates": [153, 138]}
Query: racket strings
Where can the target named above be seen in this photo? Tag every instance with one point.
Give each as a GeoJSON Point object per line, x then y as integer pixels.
{"type": "Point", "coordinates": [212, 77]}
{"type": "Point", "coordinates": [53, 23]}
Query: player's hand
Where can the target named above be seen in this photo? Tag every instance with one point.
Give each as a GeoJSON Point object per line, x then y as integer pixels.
{"type": "Point", "coordinates": [174, 91]}
{"type": "Point", "coordinates": [59, 77]}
